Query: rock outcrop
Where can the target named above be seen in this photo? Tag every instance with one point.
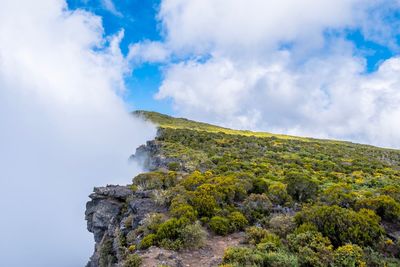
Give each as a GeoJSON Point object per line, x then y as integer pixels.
{"type": "Point", "coordinates": [114, 210]}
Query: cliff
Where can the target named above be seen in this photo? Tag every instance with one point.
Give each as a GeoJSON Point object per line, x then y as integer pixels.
{"type": "Point", "coordinates": [215, 196]}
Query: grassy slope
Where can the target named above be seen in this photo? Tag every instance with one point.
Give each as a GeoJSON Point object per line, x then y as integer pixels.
{"type": "Point", "coordinates": [165, 121]}
{"type": "Point", "coordinates": [313, 176]}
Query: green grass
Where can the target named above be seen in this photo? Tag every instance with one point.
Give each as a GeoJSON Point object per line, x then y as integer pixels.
{"type": "Point", "coordinates": [165, 121]}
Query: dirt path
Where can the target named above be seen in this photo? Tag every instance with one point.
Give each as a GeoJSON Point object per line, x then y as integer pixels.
{"type": "Point", "coordinates": [210, 255]}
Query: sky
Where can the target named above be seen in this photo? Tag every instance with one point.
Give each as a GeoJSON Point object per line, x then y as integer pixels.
{"type": "Point", "coordinates": [71, 71]}
{"type": "Point", "coordinates": [326, 69]}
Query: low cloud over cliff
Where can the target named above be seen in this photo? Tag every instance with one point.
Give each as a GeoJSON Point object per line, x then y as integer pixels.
{"type": "Point", "coordinates": [64, 129]}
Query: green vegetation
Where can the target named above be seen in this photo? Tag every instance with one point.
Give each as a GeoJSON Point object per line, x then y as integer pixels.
{"type": "Point", "coordinates": [302, 201]}
{"type": "Point", "coordinates": [133, 260]}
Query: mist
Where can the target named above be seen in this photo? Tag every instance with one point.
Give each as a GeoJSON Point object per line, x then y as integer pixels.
{"type": "Point", "coordinates": [64, 129]}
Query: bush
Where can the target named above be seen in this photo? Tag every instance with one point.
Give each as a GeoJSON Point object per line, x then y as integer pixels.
{"type": "Point", "coordinates": [243, 257]}
{"type": "Point", "coordinates": [193, 236]}
{"type": "Point", "coordinates": [386, 207]}
{"type": "Point", "coordinates": [311, 248]}
{"type": "Point", "coordinates": [171, 228]}
{"type": "Point", "coordinates": [219, 225]}
{"type": "Point", "coordinates": [349, 256]}
{"type": "Point", "coordinates": [173, 166]}
{"type": "Point", "coordinates": [151, 223]}
{"type": "Point", "coordinates": [204, 200]}
{"type": "Point", "coordinates": [339, 194]}
{"type": "Point", "coordinates": [278, 194]}
{"type": "Point", "coordinates": [149, 180]}
{"type": "Point", "coordinates": [133, 260]}
{"type": "Point", "coordinates": [192, 181]}
{"type": "Point", "coordinates": [260, 185]}
{"type": "Point", "coordinates": [306, 227]}
{"type": "Point", "coordinates": [255, 234]}
{"type": "Point", "coordinates": [282, 225]}
{"type": "Point", "coordinates": [179, 208]}
{"type": "Point", "coordinates": [257, 206]}
{"type": "Point", "coordinates": [147, 241]}
{"type": "Point", "coordinates": [231, 188]}
{"type": "Point", "coordinates": [107, 256]}
{"type": "Point", "coordinates": [342, 225]}
{"type": "Point", "coordinates": [155, 180]}
{"type": "Point", "coordinates": [270, 242]}
{"type": "Point", "coordinates": [300, 186]}
{"type": "Point", "coordinates": [237, 221]}
{"type": "Point", "coordinates": [280, 259]}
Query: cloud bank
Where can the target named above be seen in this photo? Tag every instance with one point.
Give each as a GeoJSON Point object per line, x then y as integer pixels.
{"type": "Point", "coordinates": [64, 129]}
{"type": "Point", "coordinates": [283, 66]}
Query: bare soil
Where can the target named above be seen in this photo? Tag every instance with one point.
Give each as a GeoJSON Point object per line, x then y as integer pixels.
{"type": "Point", "coordinates": [209, 255]}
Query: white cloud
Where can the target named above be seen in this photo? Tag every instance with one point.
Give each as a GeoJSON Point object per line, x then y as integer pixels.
{"type": "Point", "coordinates": [234, 27]}
{"type": "Point", "coordinates": [64, 129]}
{"type": "Point", "coordinates": [110, 6]}
{"type": "Point", "coordinates": [282, 66]}
{"type": "Point", "coordinates": [148, 51]}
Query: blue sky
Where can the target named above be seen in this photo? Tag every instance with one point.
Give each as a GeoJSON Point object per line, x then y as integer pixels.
{"type": "Point", "coordinates": [139, 23]}
{"type": "Point", "coordinates": [199, 60]}
{"type": "Point", "coordinates": [138, 18]}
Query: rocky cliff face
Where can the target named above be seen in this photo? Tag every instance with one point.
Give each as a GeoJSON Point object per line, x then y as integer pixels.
{"type": "Point", "coordinates": [115, 210]}
{"type": "Point", "coordinates": [111, 213]}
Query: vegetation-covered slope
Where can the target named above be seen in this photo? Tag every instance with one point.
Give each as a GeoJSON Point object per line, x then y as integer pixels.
{"type": "Point", "coordinates": [301, 202]}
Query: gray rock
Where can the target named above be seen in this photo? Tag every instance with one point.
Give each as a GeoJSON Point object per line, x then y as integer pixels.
{"type": "Point", "coordinates": [107, 211]}
{"type": "Point", "coordinates": [112, 191]}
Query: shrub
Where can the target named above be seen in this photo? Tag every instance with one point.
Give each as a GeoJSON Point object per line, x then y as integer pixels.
{"type": "Point", "coordinates": [243, 256]}
{"type": "Point", "coordinates": [193, 236]}
{"type": "Point", "coordinates": [149, 180]}
{"type": "Point", "coordinates": [192, 181]}
{"type": "Point", "coordinates": [151, 223]}
{"type": "Point", "coordinates": [237, 221]}
{"type": "Point", "coordinates": [231, 188]}
{"type": "Point", "coordinates": [147, 241]}
{"type": "Point", "coordinates": [339, 194]}
{"type": "Point", "coordinates": [349, 256]}
{"type": "Point", "coordinates": [171, 229]}
{"type": "Point", "coordinates": [133, 260]}
{"type": "Point", "coordinates": [204, 199]}
{"type": "Point", "coordinates": [107, 257]}
{"type": "Point", "coordinates": [280, 259]}
{"type": "Point", "coordinates": [342, 225]}
{"type": "Point", "coordinates": [392, 191]}
{"type": "Point", "coordinates": [255, 234]}
{"type": "Point", "coordinates": [306, 227]}
{"type": "Point", "coordinates": [282, 225]}
{"type": "Point", "coordinates": [256, 206]}
{"type": "Point", "coordinates": [260, 185]}
{"type": "Point", "coordinates": [270, 242]}
{"type": "Point", "coordinates": [173, 166]}
{"type": "Point", "coordinates": [386, 207]}
{"type": "Point", "coordinates": [180, 209]}
{"type": "Point", "coordinates": [155, 180]}
{"type": "Point", "coordinates": [311, 248]}
{"type": "Point", "coordinates": [300, 186]}
{"type": "Point", "coordinates": [278, 194]}
{"type": "Point", "coordinates": [219, 225]}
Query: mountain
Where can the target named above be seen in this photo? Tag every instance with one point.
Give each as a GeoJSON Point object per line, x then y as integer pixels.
{"type": "Point", "coordinates": [215, 196]}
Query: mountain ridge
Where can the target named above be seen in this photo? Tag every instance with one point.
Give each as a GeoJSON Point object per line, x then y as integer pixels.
{"type": "Point", "coordinates": [167, 121]}
{"type": "Point", "coordinates": [212, 196]}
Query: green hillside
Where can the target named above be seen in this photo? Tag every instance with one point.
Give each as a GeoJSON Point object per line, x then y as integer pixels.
{"type": "Point", "coordinates": [301, 201]}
